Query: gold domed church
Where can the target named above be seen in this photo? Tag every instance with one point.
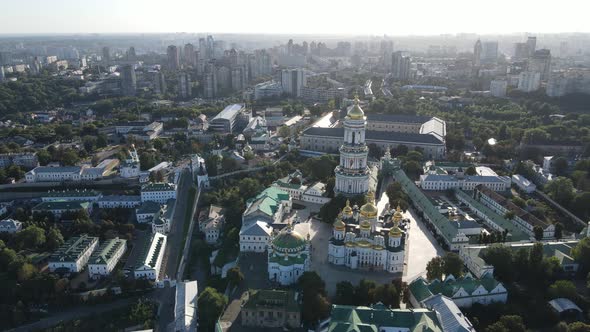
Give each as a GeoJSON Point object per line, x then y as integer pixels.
{"type": "Point", "coordinates": [361, 241]}
{"type": "Point", "coordinates": [352, 174]}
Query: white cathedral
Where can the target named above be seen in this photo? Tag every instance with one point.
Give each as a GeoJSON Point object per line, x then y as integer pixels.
{"type": "Point", "coordinates": [361, 241]}
{"type": "Point", "coordinates": [352, 175]}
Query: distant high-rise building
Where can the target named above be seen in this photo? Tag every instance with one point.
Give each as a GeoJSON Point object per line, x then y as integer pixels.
{"type": "Point", "coordinates": [521, 51]}
{"type": "Point", "coordinates": [83, 62]}
{"type": "Point", "coordinates": [238, 80]}
{"type": "Point", "coordinates": [224, 79]}
{"type": "Point", "coordinates": [2, 77]}
{"type": "Point", "coordinates": [263, 63]}
{"type": "Point", "coordinates": [173, 57]}
{"type": "Point", "coordinates": [106, 55]}
{"type": "Point", "coordinates": [184, 85]}
{"type": "Point", "coordinates": [35, 66]}
{"type": "Point", "coordinates": [128, 81]}
{"type": "Point", "coordinates": [190, 55]}
{"type": "Point", "coordinates": [159, 83]}
{"type": "Point", "coordinates": [290, 47]}
{"type": "Point", "coordinates": [293, 80]}
{"type": "Point", "coordinates": [529, 81]}
{"type": "Point", "coordinates": [400, 66]}
{"type": "Point", "coordinates": [563, 49]}
{"type": "Point", "coordinates": [489, 52]}
{"type": "Point", "coordinates": [210, 85]}
{"type": "Point", "coordinates": [131, 55]}
{"type": "Point", "coordinates": [557, 86]}
{"type": "Point", "coordinates": [477, 53]}
{"type": "Point", "coordinates": [498, 88]}
{"type": "Point", "coordinates": [540, 62]}
{"type": "Point", "coordinates": [532, 43]}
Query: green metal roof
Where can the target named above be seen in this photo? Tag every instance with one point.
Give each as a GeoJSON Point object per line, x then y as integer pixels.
{"type": "Point", "coordinates": [62, 205]}
{"type": "Point", "coordinates": [360, 319]}
{"type": "Point", "coordinates": [288, 239]}
{"type": "Point", "coordinates": [270, 298]}
{"type": "Point", "coordinates": [422, 290]}
{"type": "Point", "coordinates": [267, 201]}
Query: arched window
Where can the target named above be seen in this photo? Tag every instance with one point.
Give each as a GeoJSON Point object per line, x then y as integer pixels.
{"type": "Point", "coordinates": [353, 137]}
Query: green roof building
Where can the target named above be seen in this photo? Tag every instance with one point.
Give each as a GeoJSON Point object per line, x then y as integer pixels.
{"type": "Point", "coordinates": [73, 255]}
{"type": "Point", "coordinates": [271, 309]}
{"type": "Point", "coordinates": [105, 258]}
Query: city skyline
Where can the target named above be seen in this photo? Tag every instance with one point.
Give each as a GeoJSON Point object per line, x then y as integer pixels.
{"type": "Point", "coordinates": [260, 16]}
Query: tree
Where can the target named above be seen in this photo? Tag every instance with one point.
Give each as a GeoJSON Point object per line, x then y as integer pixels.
{"type": "Point", "coordinates": [500, 257]}
{"type": "Point", "coordinates": [561, 189]}
{"type": "Point", "coordinates": [235, 276]}
{"type": "Point", "coordinates": [509, 215]}
{"type": "Point", "coordinates": [25, 272]}
{"type": "Point", "coordinates": [510, 323]}
{"type": "Point", "coordinates": [344, 293]}
{"type": "Point", "coordinates": [453, 264]}
{"type": "Point", "coordinates": [229, 164]}
{"type": "Point", "coordinates": [31, 238]}
{"type": "Point", "coordinates": [387, 294]}
{"type": "Point", "coordinates": [435, 268]}
{"type": "Point", "coordinates": [578, 327]}
{"type": "Point", "coordinates": [54, 239]}
{"type": "Point", "coordinates": [365, 292]}
{"type": "Point", "coordinates": [558, 230]}
{"type": "Point", "coordinates": [284, 131]}
{"type": "Point", "coordinates": [563, 288]}
{"type": "Point", "coordinates": [471, 171]}
{"type": "Point", "coordinates": [538, 230]}
{"type": "Point", "coordinates": [210, 307]}
{"type": "Point", "coordinates": [560, 166]}
{"type": "Point", "coordinates": [142, 312]}
{"type": "Point", "coordinates": [249, 187]}
{"type": "Point", "coordinates": [70, 158]}
{"type": "Point", "coordinates": [315, 303]}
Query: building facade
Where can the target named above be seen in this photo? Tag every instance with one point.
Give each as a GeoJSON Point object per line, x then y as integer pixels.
{"type": "Point", "coordinates": [288, 256]}
{"type": "Point", "coordinates": [352, 175]}
{"type": "Point", "coordinates": [105, 258]}
{"type": "Point", "coordinates": [73, 255]}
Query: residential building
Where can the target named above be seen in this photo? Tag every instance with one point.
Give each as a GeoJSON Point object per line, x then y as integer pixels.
{"type": "Point", "coordinates": [522, 219]}
{"type": "Point", "coordinates": [477, 49]}
{"type": "Point", "coordinates": [400, 66]}
{"type": "Point", "coordinates": [225, 121]}
{"type": "Point", "coordinates": [288, 256]}
{"type": "Point", "coordinates": [474, 255]}
{"type": "Point", "coordinates": [498, 88]}
{"type": "Point", "coordinates": [540, 62]}
{"type": "Point", "coordinates": [58, 208]}
{"type": "Point", "coordinates": [105, 258]}
{"type": "Point", "coordinates": [523, 183]}
{"type": "Point", "coordinates": [173, 54]}
{"type": "Point", "coordinates": [128, 80]}
{"type": "Point", "coordinates": [10, 226]}
{"type": "Point", "coordinates": [119, 201]}
{"type": "Point", "coordinates": [148, 211]}
{"type": "Point", "coordinates": [184, 85]}
{"type": "Point", "coordinates": [83, 195]}
{"type": "Point", "coordinates": [149, 261]}
{"type": "Point", "coordinates": [255, 236]}
{"type": "Point", "coordinates": [159, 83]}
{"type": "Point", "coordinates": [293, 80]}
{"type": "Point", "coordinates": [53, 174]}
{"type": "Point", "coordinates": [158, 192]}
{"type": "Point", "coordinates": [25, 159]}
{"type": "Point", "coordinates": [211, 222]}
{"type": "Point", "coordinates": [464, 291]}
{"type": "Point", "coordinates": [267, 308]}
{"type": "Point", "coordinates": [73, 255]}
{"type": "Point", "coordinates": [529, 81]}
{"type": "Point", "coordinates": [489, 52]}
{"type": "Point", "coordinates": [557, 86]}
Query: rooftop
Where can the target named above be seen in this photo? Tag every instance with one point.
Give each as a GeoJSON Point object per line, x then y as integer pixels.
{"type": "Point", "coordinates": [160, 186]}
{"type": "Point", "coordinates": [229, 112]}
{"type": "Point", "coordinates": [62, 205]}
{"type": "Point", "coordinates": [71, 250]}
{"type": "Point", "coordinates": [105, 252]}
{"type": "Point", "coordinates": [267, 298]}
{"type": "Point", "coordinates": [72, 193]}
{"type": "Point", "coordinates": [373, 135]}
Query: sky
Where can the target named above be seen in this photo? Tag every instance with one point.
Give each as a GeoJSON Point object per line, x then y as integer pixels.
{"type": "Point", "coordinates": [375, 17]}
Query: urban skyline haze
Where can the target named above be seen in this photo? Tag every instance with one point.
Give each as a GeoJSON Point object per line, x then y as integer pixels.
{"type": "Point", "coordinates": [428, 17]}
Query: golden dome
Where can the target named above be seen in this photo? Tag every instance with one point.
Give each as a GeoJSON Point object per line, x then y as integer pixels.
{"type": "Point", "coordinates": [395, 231]}
{"type": "Point", "coordinates": [365, 224]}
{"type": "Point", "coordinates": [347, 211]}
{"type": "Point", "coordinates": [339, 225]}
{"type": "Point", "coordinates": [397, 216]}
{"type": "Point", "coordinates": [369, 209]}
{"type": "Point", "coordinates": [356, 112]}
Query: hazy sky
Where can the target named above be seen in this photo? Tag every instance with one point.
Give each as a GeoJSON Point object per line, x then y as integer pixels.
{"type": "Point", "coordinates": [396, 17]}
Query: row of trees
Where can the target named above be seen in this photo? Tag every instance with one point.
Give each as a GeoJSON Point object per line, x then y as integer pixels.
{"type": "Point", "coordinates": [367, 292]}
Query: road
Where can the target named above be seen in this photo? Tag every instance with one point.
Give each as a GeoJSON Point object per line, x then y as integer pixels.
{"type": "Point", "coordinates": [173, 249]}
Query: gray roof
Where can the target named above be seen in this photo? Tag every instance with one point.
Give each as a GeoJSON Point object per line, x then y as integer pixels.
{"type": "Point", "coordinates": [562, 304]}
{"type": "Point", "coordinates": [119, 198]}
{"type": "Point", "coordinates": [229, 112]}
{"type": "Point", "coordinates": [451, 317]}
{"type": "Point", "coordinates": [397, 118]}
{"type": "Point", "coordinates": [255, 229]}
{"type": "Point", "coordinates": [373, 135]}
{"type": "Point", "coordinates": [61, 169]}
{"type": "Point", "coordinates": [148, 207]}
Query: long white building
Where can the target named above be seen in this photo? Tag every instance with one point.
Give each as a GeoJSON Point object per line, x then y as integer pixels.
{"type": "Point", "coordinates": [73, 255]}
{"type": "Point", "coordinates": [468, 182]}
{"type": "Point", "coordinates": [158, 192]}
{"type": "Point", "coordinates": [149, 263]}
{"type": "Point", "coordinates": [105, 258]}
